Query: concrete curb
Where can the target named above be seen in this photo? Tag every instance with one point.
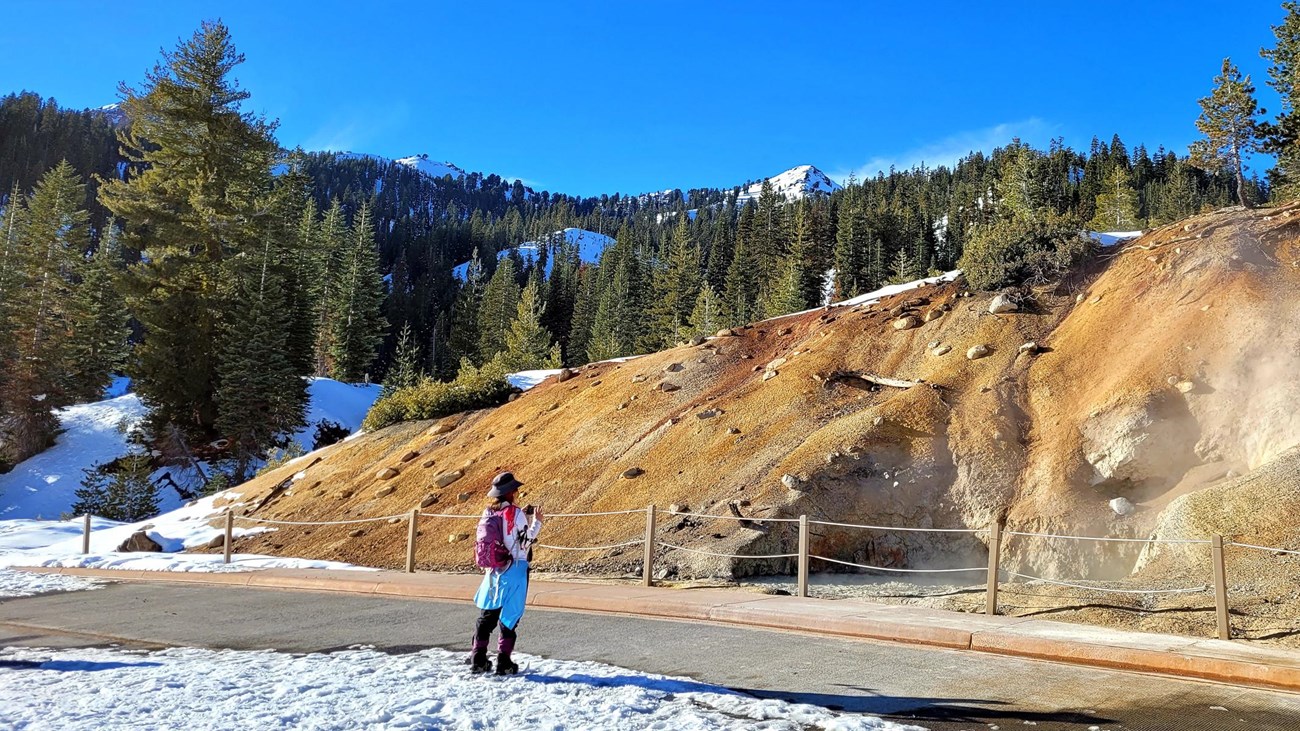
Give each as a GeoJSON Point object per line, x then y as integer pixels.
{"type": "Point", "coordinates": [1189, 657]}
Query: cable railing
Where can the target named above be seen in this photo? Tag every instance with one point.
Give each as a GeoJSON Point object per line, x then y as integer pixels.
{"type": "Point", "coordinates": [651, 541]}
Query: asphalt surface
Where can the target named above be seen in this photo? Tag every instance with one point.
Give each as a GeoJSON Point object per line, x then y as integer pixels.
{"type": "Point", "coordinates": [935, 688]}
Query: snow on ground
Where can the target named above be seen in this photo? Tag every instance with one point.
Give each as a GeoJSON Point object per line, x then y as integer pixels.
{"type": "Point", "coordinates": [44, 485]}
{"type": "Point", "coordinates": [341, 403]}
{"type": "Point", "coordinates": [96, 688]}
{"type": "Point", "coordinates": [23, 583]}
{"type": "Point", "coordinates": [1110, 238]}
{"type": "Point", "coordinates": [58, 543]}
{"type": "Point", "coordinates": [524, 380]}
{"type": "Point", "coordinates": [590, 246]}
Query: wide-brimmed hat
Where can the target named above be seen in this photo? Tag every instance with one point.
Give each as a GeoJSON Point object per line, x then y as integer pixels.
{"type": "Point", "coordinates": [504, 484]}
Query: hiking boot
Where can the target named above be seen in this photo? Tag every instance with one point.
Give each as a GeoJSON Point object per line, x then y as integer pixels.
{"type": "Point", "coordinates": [506, 666]}
{"type": "Point", "coordinates": [479, 663]}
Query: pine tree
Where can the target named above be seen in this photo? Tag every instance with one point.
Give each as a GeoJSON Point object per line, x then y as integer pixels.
{"type": "Point", "coordinates": [333, 240]}
{"type": "Point", "coordinates": [1179, 198]}
{"type": "Point", "coordinates": [406, 371]}
{"type": "Point", "coordinates": [852, 244]}
{"type": "Point", "coordinates": [1117, 207]}
{"type": "Point", "coordinates": [101, 331]}
{"type": "Point", "coordinates": [123, 492]}
{"type": "Point", "coordinates": [528, 345]}
{"type": "Point", "coordinates": [357, 303]}
{"type": "Point", "coordinates": [202, 166]}
{"type": "Point", "coordinates": [1228, 122]}
{"type": "Point", "coordinates": [706, 316]}
{"type": "Point", "coordinates": [52, 237]}
{"type": "Point", "coordinates": [1283, 137]}
{"type": "Point", "coordinates": [498, 309]}
{"type": "Point", "coordinates": [676, 285]}
{"type": "Point", "coordinates": [584, 314]}
{"type": "Point", "coordinates": [464, 336]}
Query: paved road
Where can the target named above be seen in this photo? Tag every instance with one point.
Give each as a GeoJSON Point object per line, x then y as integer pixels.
{"type": "Point", "coordinates": [939, 689]}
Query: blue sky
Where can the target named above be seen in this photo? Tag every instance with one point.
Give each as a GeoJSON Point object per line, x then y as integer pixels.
{"type": "Point", "coordinates": [586, 97]}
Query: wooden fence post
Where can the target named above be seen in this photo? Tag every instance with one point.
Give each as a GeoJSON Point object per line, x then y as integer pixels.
{"type": "Point", "coordinates": [1220, 588]}
{"type": "Point", "coordinates": [995, 561]}
{"type": "Point", "coordinates": [648, 558]}
{"type": "Point", "coordinates": [410, 540]}
{"type": "Point", "coordinates": [803, 555]}
{"type": "Point", "coordinates": [230, 534]}
{"type": "Point", "coordinates": [85, 535]}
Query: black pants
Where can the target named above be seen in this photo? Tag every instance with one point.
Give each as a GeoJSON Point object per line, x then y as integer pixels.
{"type": "Point", "coordinates": [487, 620]}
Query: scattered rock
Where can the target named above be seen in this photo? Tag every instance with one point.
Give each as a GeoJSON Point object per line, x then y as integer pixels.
{"type": "Point", "coordinates": [457, 537]}
{"type": "Point", "coordinates": [667, 387]}
{"type": "Point", "coordinates": [785, 331]}
{"type": "Point", "coordinates": [638, 378]}
{"type": "Point", "coordinates": [697, 340]}
{"type": "Point", "coordinates": [522, 438]}
{"type": "Point", "coordinates": [942, 350]}
{"type": "Point", "coordinates": [218, 541]}
{"type": "Point", "coordinates": [794, 483]}
{"type": "Point", "coordinates": [409, 456]}
{"type": "Point", "coordinates": [1122, 506]}
{"type": "Point", "coordinates": [356, 533]}
{"type": "Point", "coordinates": [777, 363]}
{"type": "Point", "coordinates": [726, 332]}
{"type": "Point", "coordinates": [386, 473]}
{"type": "Point", "coordinates": [632, 473]}
{"type": "Point", "coordinates": [1030, 347]}
{"type": "Point", "coordinates": [463, 497]}
{"type": "Point", "coordinates": [678, 508]}
{"type": "Point", "coordinates": [386, 491]}
{"type": "Point", "coordinates": [932, 315]}
{"type": "Point", "coordinates": [746, 356]}
{"type": "Point", "coordinates": [978, 351]}
{"type": "Point", "coordinates": [1185, 386]}
{"type": "Point", "coordinates": [447, 478]}
{"type": "Point", "coordinates": [1078, 299]}
{"type": "Point", "coordinates": [595, 383]}
{"type": "Point", "coordinates": [933, 344]}
{"type": "Point", "coordinates": [395, 521]}
{"type": "Point", "coordinates": [707, 414]}
{"type": "Point", "coordinates": [1002, 303]}
{"type": "Point", "coordinates": [442, 427]}
{"type": "Point", "coordinates": [428, 500]}
{"type": "Point", "coordinates": [769, 375]}
{"type": "Point", "coordinates": [140, 541]}
{"type": "Point", "coordinates": [622, 406]}
{"type": "Point", "coordinates": [733, 430]}
{"type": "Point", "coordinates": [553, 406]}
{"type": "Point", "coordinates": [907, 323]}
{"type": "Point", "coordinates": [564, 375]}
{"type": "Point", "coordinates": [673, 368]}
{"type": "Point", "coordinates": [429, 463]}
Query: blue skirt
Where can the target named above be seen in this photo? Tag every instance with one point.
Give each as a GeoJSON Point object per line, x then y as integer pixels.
{"type": "Point", "coordinates": [507, 591]}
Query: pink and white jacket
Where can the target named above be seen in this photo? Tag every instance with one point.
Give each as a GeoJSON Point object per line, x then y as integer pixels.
{"type": "Point", "coordinates": [519, 533]}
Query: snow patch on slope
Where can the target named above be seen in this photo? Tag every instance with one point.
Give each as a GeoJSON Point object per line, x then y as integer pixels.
{"type": "Point", "coordinates": [432, 168]}
{"type": "Point", "coordinates": [1111, 238]}
{"type": "Point", "coordinates": [792, 185]}
{"type": "Point", "coordinates": [590, 246]}
{"type": "Point", "coordinates": [365, 688]}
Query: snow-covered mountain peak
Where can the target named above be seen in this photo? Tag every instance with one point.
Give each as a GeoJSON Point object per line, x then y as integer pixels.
{"type": "Point", "coordinates": [793, 184]}
{"type": "Point", "coordinates": [432, 168]}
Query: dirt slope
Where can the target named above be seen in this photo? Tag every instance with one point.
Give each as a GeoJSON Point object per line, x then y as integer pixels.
{"type": "Point", "coordinates": [1164, 372]}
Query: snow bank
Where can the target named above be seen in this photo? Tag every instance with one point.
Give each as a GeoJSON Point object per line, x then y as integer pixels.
{"type": "Point", "coordinates": [524, 380]}
{"type": "Point", "coordinates": [363, 688]}
{"type": "Point", "coordinates": [1110, 238]}
{"type": "Point", "coordinates": [22, 583]}
{"type": "Point", "coordinates": [341, 403]}
{"type": "Point", "coordinates": [45, 485]}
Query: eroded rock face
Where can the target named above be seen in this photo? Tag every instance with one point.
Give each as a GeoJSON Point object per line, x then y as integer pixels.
{"type": "Point", "coordinates": [1148, 443]}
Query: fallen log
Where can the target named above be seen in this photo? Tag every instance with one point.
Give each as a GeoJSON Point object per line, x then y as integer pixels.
{"type": "Point", "coordinates": [871, 378]}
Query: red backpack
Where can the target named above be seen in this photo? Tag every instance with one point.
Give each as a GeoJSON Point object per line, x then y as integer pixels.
{"type": "Point", "coordinates": [490, 551]}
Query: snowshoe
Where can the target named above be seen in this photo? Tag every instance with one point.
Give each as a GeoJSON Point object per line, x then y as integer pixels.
{"type": "Point", "coordinates": [506, 666]}
{"type": "Point", "coordinates": [479, 663]}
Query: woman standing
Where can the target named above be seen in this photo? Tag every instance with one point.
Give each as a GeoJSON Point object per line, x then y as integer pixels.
{"type": "Point", "coordinates": [503, 547]}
